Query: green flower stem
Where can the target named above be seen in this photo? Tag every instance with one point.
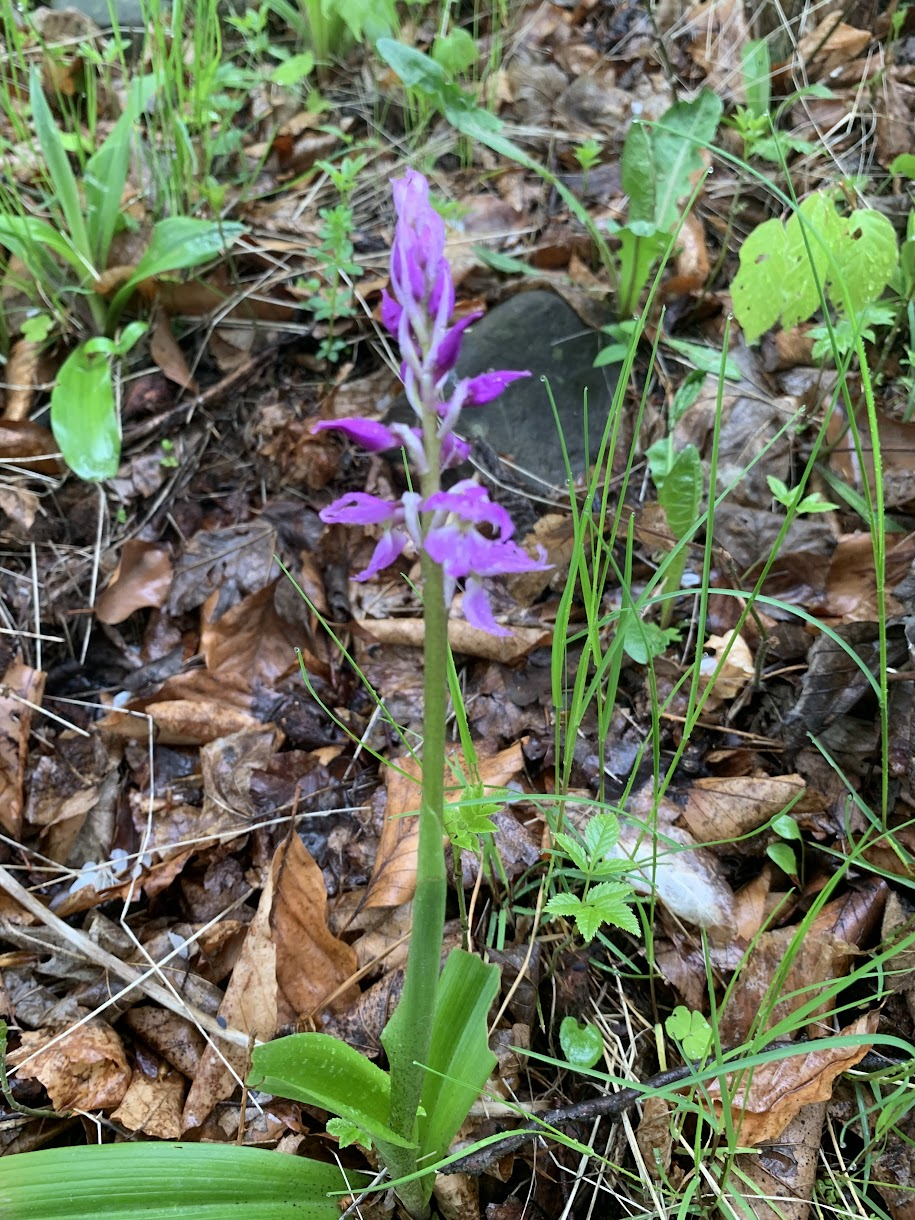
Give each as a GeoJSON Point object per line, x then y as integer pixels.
{"type": "Point", "coordinates": [407, 1036]}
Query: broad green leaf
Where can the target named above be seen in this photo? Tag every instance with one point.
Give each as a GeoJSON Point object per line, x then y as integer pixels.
{"type": "Point", "coordinates": [582, 1045]}
{"type": "Point", "coordinates": [637, 173]}
{"type": "Point", "coordinates": [677, 147]}
{"type": "Point", "coordinates": [602, 834]}
{"type": "Point", "coordinates": [58, 166]}
{"type": "Point", "coordinates": [460, 1060]}
{"type": "Point", "coordinates": [456, 51]}
{"type": "Point", "coordinates": [687, 393]}
{"type": "Point", "coordinates": [179, 242]}
{"type": "Point", "coordinates": [84, 416]}
{"type": "Point", "coordinates": [783, 824]}
{"type": "Point", "coordinates": [757, 71]}
{"type": "Point", "coordinates": [106, 172]}
{"type": "Point", "coordinates": [758, 288]}
{"type": "Point", "coordinates": [323, 1071]}
{"type": "Point", "coordinates": [643, 640]}
{"type": "Point", "coordinates": [294, 69]}
{"type": "Point", "coordinates": [680, 492]}
{"type": "Point", "coordinates": [783, 856]}
{"type": "Point", "coordinates": [866, 258]}
{"type": "Point", "coordinates": [416, 70]}
{"type": "Point", "coordinates": [504, 263]}
{"type": "Point", "coordinates": [904, 164]}
{"type": "Point", "coordinates": [163, 1181]}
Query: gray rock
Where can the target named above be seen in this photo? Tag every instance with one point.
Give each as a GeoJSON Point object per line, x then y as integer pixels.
{"type": "Point", "coordinates": [539, 332]}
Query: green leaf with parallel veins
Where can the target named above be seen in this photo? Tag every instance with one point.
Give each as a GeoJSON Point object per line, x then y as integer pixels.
{"type": "Point", "coordinates": [323, 1071]}
{"type": "Point", "coordinates": [677, 145]}
{"type": "Point", "coordinates": [84, 416]}
{"type": "Point", "coordinates": [165, 1181]}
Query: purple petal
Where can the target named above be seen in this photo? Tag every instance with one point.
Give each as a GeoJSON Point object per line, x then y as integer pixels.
{"type": "Point", "coordinates": [478, 611]}
{"type": "Point", "coordinates": [390, 312]}
{"type": "Point", "coordinates": [368, 433]}
{"type": "Point", "coordinates": [360, 508]}
{"type": "Point", "coordinates": [389, 548]}
{"type": "Point", "coordinates": [454, 451]}
{"type": "Point", "coordinates": [488, 386]}
{"type": "Point", "coordinates": [506, 558]}
{"type": "Point", "coordinates": [450, 347]}
{"type": "Point", "coordinates": [471, 503]}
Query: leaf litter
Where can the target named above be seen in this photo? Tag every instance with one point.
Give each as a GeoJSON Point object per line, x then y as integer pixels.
{"type": "Point", "coordinates": [193, 775]}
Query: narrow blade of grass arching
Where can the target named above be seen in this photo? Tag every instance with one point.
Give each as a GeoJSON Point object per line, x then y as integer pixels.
{"type": "Point", "coordinates": [60, 174]}
{"type": "Point", "coordinates": [181, 1181]}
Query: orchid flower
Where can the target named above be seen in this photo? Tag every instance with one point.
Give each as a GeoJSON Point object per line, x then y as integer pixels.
{"type": "Point", "coordinates": [417, 312]}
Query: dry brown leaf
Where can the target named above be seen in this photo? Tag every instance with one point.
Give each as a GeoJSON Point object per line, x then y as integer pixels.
{"type": "Point", "coordinates": [20, 507]}
{"type": "Point", "coordinates": [182, 722]}
{"type": "Point", "coordinates": [165, 351]}
{"type": "Point", "coordinates": [734, 674]}
{"type": "Point", "coordinates": [851, 587]}
{"type": "Point", "coordinates": [250, 644]}
{"type": "Point", "coordinates": [830, 45]}
{"type": "Point", "coordinates": [152, 1104]}
{"type": "Point", "coordinates": [653, 1136]}
{"type": "Point", "coordinates": [15, 726]}
{"type": "Point", "coordinates": [142, 579]}
{"type": "Point", "coordinates": [463, 638]}
{"type": "Point", "coordinates": [692, 265]}
{"type": "Point", "coordinates": [762, 1109]}
{"type": "Point", "coordinates": [29, 446]}
{"type": "Point", "coordinates": [556, 534]}
{"type": "Point", "coordinates": [394, 878]}
{"type": "Point", "coordinates": [176, 1040]}
{"type": "Point", "coordinates": [720, 32]}
{"type": "Point", "coordinates": [897, 455]}
{"type": "Point", "coordinates": [311, 963]}
{"type": "Point", "coordinates": [815, 960]}
{"type": "Point", "coordinates": [86, 1070]}
{"type": "Point", "coordinates": [250, 1005]}
{"type": "Point", "coordinates": [780, 1180]}
{"type": "Point", "coordinates": [728, 808]}
{"type": "Point", "coordinates": [20, 376]}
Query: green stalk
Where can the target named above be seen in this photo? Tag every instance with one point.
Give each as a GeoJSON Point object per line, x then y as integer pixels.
{"type": "Point", "coordinates": [408, 1034]}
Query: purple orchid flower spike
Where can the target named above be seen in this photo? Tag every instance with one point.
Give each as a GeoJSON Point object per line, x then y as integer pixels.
{"type": "Point", "coordinates": [462, 529]}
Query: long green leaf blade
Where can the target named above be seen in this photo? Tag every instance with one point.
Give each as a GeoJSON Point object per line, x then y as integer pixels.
{"type": "Point", "coordinates": [59, 171]}
{"type": "Point", "coordinates": [162, 1181]}
{"type": "Point", "coordinates": [84, 416]}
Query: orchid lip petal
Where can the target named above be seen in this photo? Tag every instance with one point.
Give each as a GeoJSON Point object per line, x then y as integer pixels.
{"type": "Point", "coordinates": [368, 433]}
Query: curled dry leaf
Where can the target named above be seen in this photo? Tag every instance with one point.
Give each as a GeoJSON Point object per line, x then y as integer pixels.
{"type": "Point", "coordinates": [152, 1104]}
{"type": "Point", "coordinates": [20, 682]}
{"type": "Point", "coordinates": [831, 44]}
{"type": "Point", "coordinates": [85, 1070]}
{"type": "Point", "coordinates": [734, 674]}
{"type": "Point", "coordinates": [21, 369]}
{"type": "Point", "coordinates": [463, 638]}
{"type": "Point", "coordinates": [142, 579]}
{"type": "Point", "coordinates": [394, 878]}
{"type": "Point", "coordinates": [29, 446]}
{"type": "Point", "coordinates": [168, 355]}
{"type": "Point", "coordinates": [762, 1108]}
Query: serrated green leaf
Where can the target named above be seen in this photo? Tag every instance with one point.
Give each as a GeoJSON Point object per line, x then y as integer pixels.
{"type": "Point", "coordinates": [573, 849]}
{"type": "Point", "coordinates": [563, 904]}
{"type": "Point", "coordinates": [347, 1133]}
{"type": "Point", "coordinates": [582, 1044]}
{"type": "Point", "coordinates": [643, 640]}
{"type": "Point", "coordinates": [602, 834]}
{"type": "Point", "coordinates": [610, 899]}
{"type": "Point", "coordinates": [165, 1181]}
{"type": "Point", "coordinates": [641, 245]}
